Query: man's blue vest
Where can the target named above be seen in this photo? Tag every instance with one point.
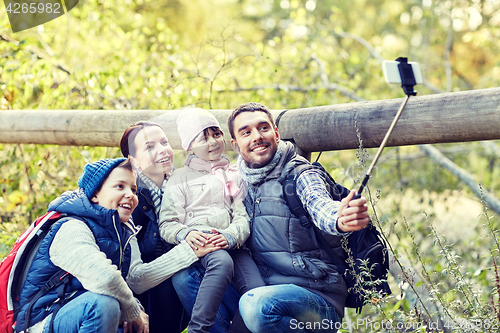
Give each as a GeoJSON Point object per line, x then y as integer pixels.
{"type": "Point", "coordinates": [284, 250]}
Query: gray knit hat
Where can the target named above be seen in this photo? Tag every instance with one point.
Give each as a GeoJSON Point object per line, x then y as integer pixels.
{"type": "Point", "coordinates": [95, 173]}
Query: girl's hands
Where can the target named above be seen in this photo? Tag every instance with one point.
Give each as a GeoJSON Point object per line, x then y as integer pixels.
{"type": "Point", "coordinates": [203, 243]}
{"type": "Point", "coordinates": [200, 243]}
{"type": "Point", "coordinates": [197, 239]}
{"type": "Point", "coordinates": [219, 240]}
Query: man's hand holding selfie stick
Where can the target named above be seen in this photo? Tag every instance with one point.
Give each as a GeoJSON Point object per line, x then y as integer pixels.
{"type": "Point", "coordinates": [353, 210]}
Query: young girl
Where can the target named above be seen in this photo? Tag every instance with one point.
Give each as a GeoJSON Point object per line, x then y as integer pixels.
{"type": "Point", "coordinates": [202, 204]}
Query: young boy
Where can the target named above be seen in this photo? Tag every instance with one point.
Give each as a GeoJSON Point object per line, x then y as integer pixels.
{"type": "Point", "coordinates": [96, 245]}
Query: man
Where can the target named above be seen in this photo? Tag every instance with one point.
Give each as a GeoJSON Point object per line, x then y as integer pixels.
{"type": "Point", "coordinates": [304, 290]}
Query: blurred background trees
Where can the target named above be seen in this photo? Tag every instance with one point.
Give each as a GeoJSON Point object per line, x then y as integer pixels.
{"type": "Point", "coordinates": [218, 54]}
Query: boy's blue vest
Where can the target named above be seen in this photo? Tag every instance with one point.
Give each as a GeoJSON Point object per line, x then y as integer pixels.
{"type": "Point", "coordinates": [42, 268]}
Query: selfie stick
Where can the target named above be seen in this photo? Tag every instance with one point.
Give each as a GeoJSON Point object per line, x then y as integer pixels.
{"type": "Point", "coordinates": [407, 83]}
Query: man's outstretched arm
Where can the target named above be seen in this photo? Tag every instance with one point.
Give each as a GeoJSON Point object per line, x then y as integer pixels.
{"type": "Point", "coordinates": [334, 217]}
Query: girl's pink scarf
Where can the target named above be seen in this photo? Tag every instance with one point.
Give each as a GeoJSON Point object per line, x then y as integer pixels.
{"type": "Point", "coordinates": [225, 172]}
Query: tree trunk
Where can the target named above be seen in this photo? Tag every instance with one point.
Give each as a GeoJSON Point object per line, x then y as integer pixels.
{"type": "Point", "coordinates": [463, 175]}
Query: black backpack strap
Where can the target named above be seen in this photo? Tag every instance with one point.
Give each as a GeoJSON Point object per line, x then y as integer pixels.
{"type": "Point", "coordinates": [291, 197]}
{"type": "Point", "coordinates": [60, 301]}
{"type": "Point", "coordinates": [60, 278]}
{"type": "Point", "coordinates": [337, 191]}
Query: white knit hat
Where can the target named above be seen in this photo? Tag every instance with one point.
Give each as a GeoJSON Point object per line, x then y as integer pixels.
{"type": "Point", "coordinates": [192, 122]}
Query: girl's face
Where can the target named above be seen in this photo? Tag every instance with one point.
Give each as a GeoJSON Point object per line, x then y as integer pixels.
{"type": "Point", "coordinates": [208, 147]}
{"type": "Point", "coordinates": [153, 154]}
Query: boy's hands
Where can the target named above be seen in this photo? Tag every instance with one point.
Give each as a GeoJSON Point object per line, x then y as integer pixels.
{"type": "Point", "coordinates": [140, 325]}
{"type": "Point", "coordinates": [353, 214]}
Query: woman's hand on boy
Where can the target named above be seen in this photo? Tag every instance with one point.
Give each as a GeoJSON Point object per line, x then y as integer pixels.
{"type": "Point", "coordinates": [197, 239]}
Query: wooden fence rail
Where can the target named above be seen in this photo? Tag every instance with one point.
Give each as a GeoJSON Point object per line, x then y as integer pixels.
{"type": "Point", "coordinates": [449, 117]}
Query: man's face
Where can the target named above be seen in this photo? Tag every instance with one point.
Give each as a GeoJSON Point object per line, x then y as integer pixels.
{"type": "Point", "coordinates": [255, 137]}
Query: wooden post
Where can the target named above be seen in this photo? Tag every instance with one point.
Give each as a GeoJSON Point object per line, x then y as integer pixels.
{"type": "Point", "coordinates": [451, 117]}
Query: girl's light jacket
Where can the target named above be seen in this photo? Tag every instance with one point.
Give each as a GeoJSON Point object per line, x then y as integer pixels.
{"type": "Point", "coordinates": [196, 200]}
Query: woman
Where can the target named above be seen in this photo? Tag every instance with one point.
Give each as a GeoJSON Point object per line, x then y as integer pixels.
{"type": "Point", "coordinates": [147, 146]}
{"type": "Point", "coordinates": [153, 158]}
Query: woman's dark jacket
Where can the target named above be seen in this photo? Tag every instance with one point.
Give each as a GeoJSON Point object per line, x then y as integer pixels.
{"type": "Point", "coordinates": [150, 243]}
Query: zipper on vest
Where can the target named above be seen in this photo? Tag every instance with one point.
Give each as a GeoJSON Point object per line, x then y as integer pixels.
{"type": "Point", "coordinates": [258, 204]}
{"type": "Point", "coordinates": [119, 241]}
{"type": "Point", "coordinates": [134, 233]}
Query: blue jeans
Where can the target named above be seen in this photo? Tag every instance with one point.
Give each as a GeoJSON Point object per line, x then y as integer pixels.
{"type": "Point", "coordinates": [287, 308]}
{"type": "Point", "coordinates": [89, 312]}
{"type": "Point", "coordinates": [219, 269]}
{"type": "Point", "coordinates": [188, 281]}
{"type": "Point", "coordinates": [191, 285]}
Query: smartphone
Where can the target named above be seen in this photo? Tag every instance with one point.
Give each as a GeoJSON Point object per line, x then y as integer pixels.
{"type": "Point", "coordinates": [391, 71]}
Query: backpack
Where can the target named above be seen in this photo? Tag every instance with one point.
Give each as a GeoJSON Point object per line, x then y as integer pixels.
{"type": "Point", "coordinates": [362, 257]}
{"type": "Point", "coordinates": [14, 269]}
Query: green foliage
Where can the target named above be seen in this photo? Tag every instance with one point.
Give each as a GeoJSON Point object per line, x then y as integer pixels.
{"type": "Point", "coordinates": [218, 54]}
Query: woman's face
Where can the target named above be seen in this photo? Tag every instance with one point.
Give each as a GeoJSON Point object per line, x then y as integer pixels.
{"type": "Point", "coordinates": [153, 154]}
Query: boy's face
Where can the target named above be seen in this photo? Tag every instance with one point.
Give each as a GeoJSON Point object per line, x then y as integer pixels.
{"type": "Point", "coordinates": [118, 192]}
{"type": "Point", "coordinates": [255, 137]}
{"type": "Point", "coordinates": [209, 147]}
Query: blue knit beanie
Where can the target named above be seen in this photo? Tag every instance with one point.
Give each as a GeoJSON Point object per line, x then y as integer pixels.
{"type": "Point", "coordinates": [94, 174]}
